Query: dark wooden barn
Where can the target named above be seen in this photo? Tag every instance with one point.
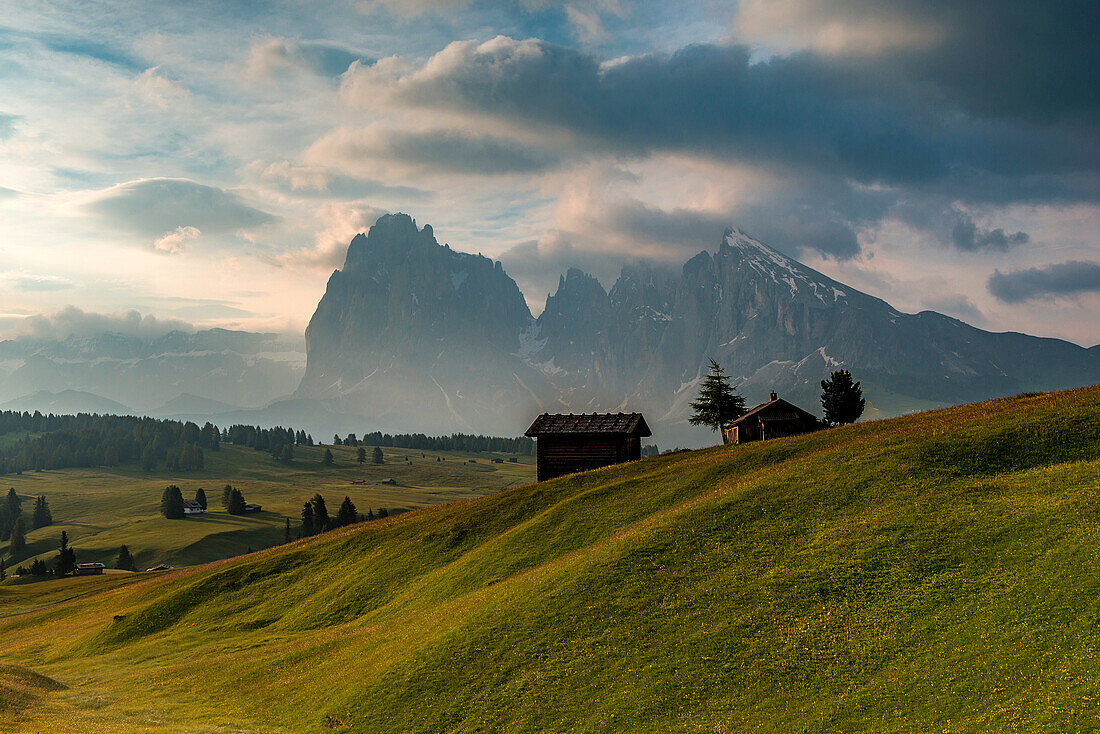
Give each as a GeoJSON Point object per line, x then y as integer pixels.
{"type": "Point", "coordinates": [773, 419]}
{"type": "Point", "coordinates": [572, 443]}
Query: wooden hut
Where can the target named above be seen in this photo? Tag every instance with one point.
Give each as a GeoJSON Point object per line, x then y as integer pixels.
{"type": "Point", "coordinates": [573, 443]}
{"type": "Point", "coordinates": [773, 419]}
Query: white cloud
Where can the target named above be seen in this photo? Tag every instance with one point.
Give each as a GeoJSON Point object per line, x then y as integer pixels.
{"type": "Point", "coordinates": [72, 321]}
{"type": "Point", "coordinates": [175, 242]}
{"type": "Point", "coordinates": [340, 222]}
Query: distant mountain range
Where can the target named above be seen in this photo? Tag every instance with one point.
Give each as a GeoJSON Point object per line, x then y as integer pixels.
{"type": "Point", "coordinates": [203, 372]}
{"type": "Point", "coordinates": [419, 336]}
{"type": "Point", "coordinates": [413, 336]}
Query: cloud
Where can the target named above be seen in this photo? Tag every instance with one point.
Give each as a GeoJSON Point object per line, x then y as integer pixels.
{"type": "Point", "coordinates": [1052, 281]}
{"type": "Point", "coordinates": [30, 282]}
{"type": "Point", "coordinates": [451, 151]}
{"type": "Point", "coordinates": [269, 58]}
{"type": "Point", "coordinates": [341, 222]}
{"type": "Point", "coordinates": [966, 235]}
{"type": "Point", "coordinates": [153, 207]}
{"type": "Point", "coordinates": [72, 321]}
{"type": "Point", "coordinates": [1012, 58]}
{"type": "Point", "coordinates": [175, 242]}
{"type": "Point", "coordinates": [161, 91]}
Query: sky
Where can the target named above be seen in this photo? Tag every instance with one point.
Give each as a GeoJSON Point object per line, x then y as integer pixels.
{"type": "Point", "coordinates": [207, 163]}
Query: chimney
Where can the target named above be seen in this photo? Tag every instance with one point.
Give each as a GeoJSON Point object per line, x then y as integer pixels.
{"type": "Point", "coordinates": [774, 396]}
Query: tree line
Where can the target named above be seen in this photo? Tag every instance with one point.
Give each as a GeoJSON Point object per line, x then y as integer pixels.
{"type": "Point", "coordinates": [455, 442]}
{"type": "Point", "coordinates": [316, 518]}
{"type": "Point", "coordinates": [87, 440]}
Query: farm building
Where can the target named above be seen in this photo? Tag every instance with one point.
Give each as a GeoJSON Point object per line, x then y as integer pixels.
{"type": "Point", "coordinates": [773, 419]}
{"type": "Point", "coordinates": [252, 508]}
{"type": "Point", "coordinates": [192, 507]}
{"type": "Point", "coordinates": [89, 569]}
{"type": "Point", "coordinates": [573, 443]}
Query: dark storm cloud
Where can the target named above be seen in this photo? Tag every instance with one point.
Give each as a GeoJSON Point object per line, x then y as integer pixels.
{"type": "Point", "coordinates": [1062, 279]}
{"type": "Point", "coordinates": [873, 123]}
{"type": "Point", "coordinates": [966, 235]}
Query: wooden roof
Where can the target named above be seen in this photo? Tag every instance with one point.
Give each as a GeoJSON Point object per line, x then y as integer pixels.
{"type": "Point", "coordinates": [626, 424]}
{"type": "Point", "coordinates": [776, 410]}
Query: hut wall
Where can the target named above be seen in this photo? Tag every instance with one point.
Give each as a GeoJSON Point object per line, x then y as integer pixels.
{"type": "Point", "coordinates": [558, 455]}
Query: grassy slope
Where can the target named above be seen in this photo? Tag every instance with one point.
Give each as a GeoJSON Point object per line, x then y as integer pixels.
{"type": "Point", "coordinates": [104, 508]}
{"type": "Point", "coordinates": [936, 572]}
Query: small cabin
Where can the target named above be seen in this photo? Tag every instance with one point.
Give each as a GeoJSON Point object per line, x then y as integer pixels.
{"type": "Point", "coordinates": [192, 507]}
{"type": "Point", "coordinates": [389, 480]}
{"type": "Point", "coordinates": [89, 569]}
{"type": "Point", "coordinates": [774, 419]}
{"type": "Point", "coordinates": [253, 508]}
{"type": "Point", "coordinates": [571, 443]}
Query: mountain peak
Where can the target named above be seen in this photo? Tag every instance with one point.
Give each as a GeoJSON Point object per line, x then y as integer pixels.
{"type": "Point", "coordinates": [391, 234]}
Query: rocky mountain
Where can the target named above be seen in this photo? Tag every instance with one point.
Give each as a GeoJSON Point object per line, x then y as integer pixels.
{"type": "Point", "coordinates": [416, 336]}
{"type": "Point", "coordinates": [152, 374]}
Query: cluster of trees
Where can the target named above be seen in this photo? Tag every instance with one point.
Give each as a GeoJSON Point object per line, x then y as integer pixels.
{"type": "Point", "coordinates": [719, 403]}
{"type": "Point", "coordinates": [233, 500]}
{"type": "Point", "coordinates": [172, 507]}
{"type": "Point", "coordinates": [64, 562]}
{"type": "Point", "coordinates": [13, 528]}
{"type": "Point", "coordinates": [375, 456]}
{"type": "Point", "coordinates": [87, 440]}
{"type": "Point", "coordinates": [188, 458]}
{"type": "Point", "coordinates": [266, 439]}
{"type": "Point", "coordinates": [316, 518]}
{"type": "Point", "coordinates": [454, 442]}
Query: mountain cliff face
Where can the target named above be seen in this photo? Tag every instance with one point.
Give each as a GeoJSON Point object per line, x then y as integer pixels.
{"type": "Point", "coordinates": [421, 337]}
{"type": "Point", "coordinates": [415, 335]}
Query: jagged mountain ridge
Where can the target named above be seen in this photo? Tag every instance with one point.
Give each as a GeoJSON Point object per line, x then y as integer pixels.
{"type": "Point", "coordinates": [424, 338]}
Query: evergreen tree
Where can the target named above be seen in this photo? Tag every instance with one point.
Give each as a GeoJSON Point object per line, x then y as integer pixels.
{"type": "Point", "coordinates": [171, 503]}
{"type": "Point", "coordinates": [361, 456]}
{"type": "Point", "coordinates": [351, 440]}
{"type": "Point", "coordinates": [307, 520]}
{"type": "Point", "coordinates": [12, 504]}
{"type": "Point", "coordinates": [200, 497]}
{"type": "Point", "coordinates": [288, 453]}
{"type": "Point", "coordinates": [376, 456]}
{"type": "Point", "coordinates": [718, 403]}
{"type": "Point", "coordinates": [149, 458]}
{"type": "Point", "coordinates": [370, 514]}
{"type": "Point", "coordinates": [286, 531]}
{"type": "Point", "coordinates": [3, 570]}
{"type": "Point", "coordinates": [328, 459]}
{"type": "Point", "coordinates": [236, 502]}
{"type": "Point", "coordinates": [227, 490]}
{"type": "Point", "coordinates": [125, 561]}
{"type": "Point", "coordinates": [842, 400]}
{"type": "Point", "coordinates": [336, 440]}
{"type": "Point", "coordinates": [18, 538]}
{"type": "Point", "coordinates": [321, 520]}
{"type": "Point", "coordinates": [66, 556]}
{"type": "Point", "coordinates": [38, 567]}
{"type": "Point", "coordinates": [383, 512]}
{"type": "Point", "coordinates": [41, 516]}
{"type": "Point", "coordinates": [347, 515]}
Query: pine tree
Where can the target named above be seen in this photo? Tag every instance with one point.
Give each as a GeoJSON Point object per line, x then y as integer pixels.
{"type": "Point", "coordinates": [286, 532]}
{"type": "Point", "coordinates": [236, 502]}
{"type": "Point", "coordinates": [370, 514]}
{"type": "Point", "coordinates": [13, 504]}
{"type": "Point", "coordinates": [321, 520]}
{"type": "Point", "coordinates": [383, 512]}
{"type": "Point", "coordinates": [288, 453]}
{"type": "Point", "coordinates": [171, 503]}
{"type": "Point", "coordinates": [842, 400]}
{"type": "Point", "coordinates": [41, 516]}
{"type": "Point", "coordinates": [361, 456]}
{"type": "Point", "coordinates": [376, 456]}
{"type": "Point", "coordinates": [336, 440]}
{"type": "Point", "coordinates": [347, 515]}
{"type": "Point", "coordinates": [3, 570]}
{"type": "Point", "coordinates": [66, 556]}
{"type": "Point", "coordinates": [328, 459]}
{"type": "Point", "coordinates": [718, 403]}
{"type": "Point", "coordinates": [125, 561]}
{"type": "Point", "coordinates": [307, 520]}
{"type": "Point", "coordinates": [200, 497]}
{"type": "Point", "coordinates": [226, 491]}
{"type": "Point", "coordinates": [18, 538]}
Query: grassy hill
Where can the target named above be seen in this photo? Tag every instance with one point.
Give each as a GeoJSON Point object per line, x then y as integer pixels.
{"type": "Point", "coordinates": [936, 572]}
{"type": "Point", "coordinates": [102, 508]}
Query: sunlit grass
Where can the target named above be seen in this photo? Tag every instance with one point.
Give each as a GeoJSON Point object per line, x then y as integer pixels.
{"type": "Point", "coordinates": [931, 573]}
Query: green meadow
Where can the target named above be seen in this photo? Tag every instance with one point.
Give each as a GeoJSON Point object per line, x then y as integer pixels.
{"type": "Point", "coordinates": [938, 572]}
{"type": "Point", "coordinates": [102, 509]}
